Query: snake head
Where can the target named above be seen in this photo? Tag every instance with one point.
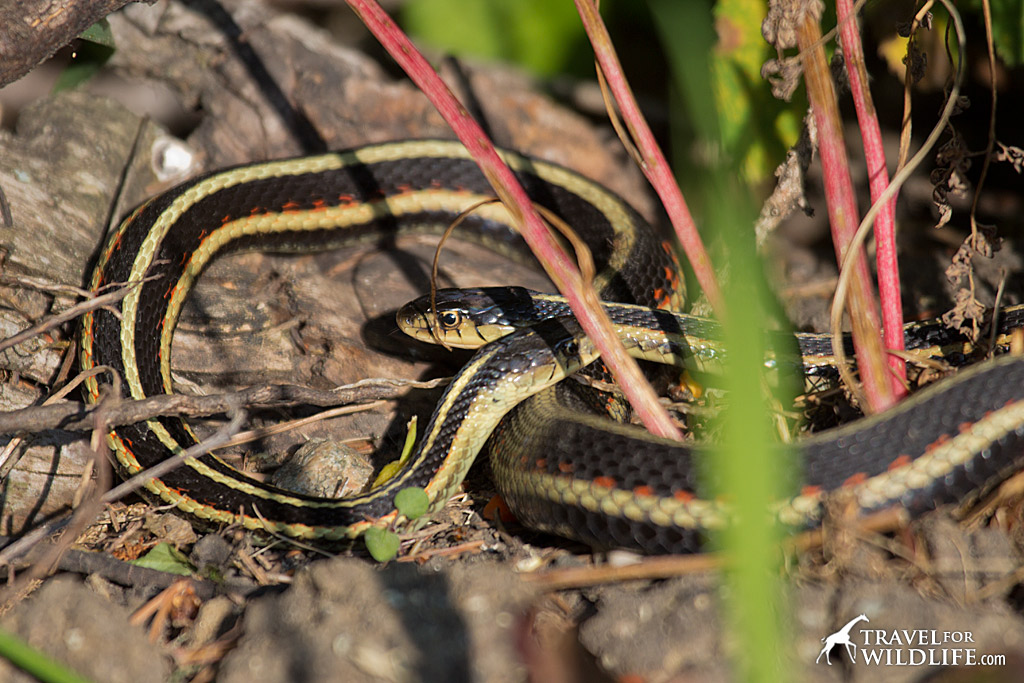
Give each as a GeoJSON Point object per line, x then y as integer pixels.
{"type": "Point", "coordinates": [469, 318]}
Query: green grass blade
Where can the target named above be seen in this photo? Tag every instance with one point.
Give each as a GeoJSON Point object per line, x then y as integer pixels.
{"type": "Point", "coordinates": [745, 463]}
{"type": "Point", "coordinates": [34, 662]}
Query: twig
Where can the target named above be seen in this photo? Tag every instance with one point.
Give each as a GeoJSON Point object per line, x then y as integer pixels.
{"type": "Point", "coordinates": [78, 416]}
{"type": "Point", "coordinates": [75, 524]}
{"type": "Point", "coordinates": [6, 462]}
{"type": "Point", "coordinates": [650, 568]}
{"type": "Point", "coordinates": [990, 145]}
{"type": "Point", "coordinates": [59, 319]}
{"type": "Point", "coordinates": [282, 427]}
{"type": "Point", "coordinates": [127, 574]}
{"type": "Point", "coordinates": [41, 285]}
{"type": "Point", "coordinates": [216, 440]}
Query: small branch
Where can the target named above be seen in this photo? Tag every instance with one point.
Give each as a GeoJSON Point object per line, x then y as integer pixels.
{"type": "Point", "coordinates": [21, 546]}
{"type": "Point", "coordinates": [646, 569]}
{"type": "Point", "coordinates": [216, 440]}
{"type": "Point", "coordinates": [79, 417]}
{"type": "Point", "coordinates": [901, 177]}
{"type": "Point", "coordinates": [124, 573]}
{"type": "Point", "coordinates": [7, 462]}
{"type": "Point", "coordinates": [50, 322]}
{"type": "Point", "coordinates": [993, 103]}
{"type": "Point", "coordinates": [298, 423]}
{"type": "Point", "coordinates": [42, 285]}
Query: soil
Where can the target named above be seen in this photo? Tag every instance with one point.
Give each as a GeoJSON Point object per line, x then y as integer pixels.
{"type": "Point", "coordinates": [468, 599]}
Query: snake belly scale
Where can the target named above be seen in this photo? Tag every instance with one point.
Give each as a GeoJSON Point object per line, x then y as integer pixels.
{"type": "Point", "coordinates": [560, 469]}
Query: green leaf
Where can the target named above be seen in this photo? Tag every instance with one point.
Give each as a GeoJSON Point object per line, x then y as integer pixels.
{"type": "Point", "coordinates": [749, 126]}
{"type": "Point", "coordinates": [95, 47]}
{"type": "Point", "coordinates": [715, 71]}
{"type": "Point", "coordinates": [166, 558]}
{"type": "Point", "coordinates": [392, 468]}
{"type": "Point", "coordinates": [99, 33]}
{"type": "Point", "coordinates": [382, 543]}
{"type": "Point", "coordinates": [1008, 30]}
{"type": "Point", "coordinates": [538, 34]}
{"type": "Point", "coordinates": [412, 502]}
{"type": "Point", "coordinates": [74, 75]}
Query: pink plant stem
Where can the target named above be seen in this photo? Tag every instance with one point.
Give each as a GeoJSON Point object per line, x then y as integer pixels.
{"type": "Point", "coordinates": [654, 166]}
{"type": "Point", "coordinates": [878, 179]}
{"type": "Point", "coordinates": [842, 211]}
{"type": "Point", "coordinates": [556, 263]}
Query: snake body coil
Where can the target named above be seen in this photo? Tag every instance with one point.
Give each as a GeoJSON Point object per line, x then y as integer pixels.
{"type": "Point", "coordinates": [561, 470]}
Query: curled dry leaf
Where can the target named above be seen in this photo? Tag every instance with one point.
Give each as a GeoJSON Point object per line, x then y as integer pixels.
{"type": "Point", "coordinates": [968, 311]}
{"type": "Point", "coordinates": [1012, 155]}
{"type": "Point", "coordinates": [950, 175]}
{"type": "Point", "coordinates": [783, 75]}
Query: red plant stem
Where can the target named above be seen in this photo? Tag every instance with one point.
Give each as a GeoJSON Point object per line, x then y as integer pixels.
{"type": "Point", "coordinates": [878, 179]}
{"type": "Point", "coordinates": [654, 165]}
{"type": "Point", "coordinates": [556, 263]}
{"type": "Point", "coordinates": [842, 211]}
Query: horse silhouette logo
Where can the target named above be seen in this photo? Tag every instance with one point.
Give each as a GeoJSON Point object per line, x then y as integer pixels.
{"type": "Point", "coordinates": [841, 637]}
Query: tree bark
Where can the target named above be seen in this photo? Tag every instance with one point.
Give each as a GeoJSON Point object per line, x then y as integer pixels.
{"type": "Point", "coordinates": [33, 30]}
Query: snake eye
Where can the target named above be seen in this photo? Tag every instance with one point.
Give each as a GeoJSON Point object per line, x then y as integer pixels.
{"type": "Point", "coordinates": [449, 320]}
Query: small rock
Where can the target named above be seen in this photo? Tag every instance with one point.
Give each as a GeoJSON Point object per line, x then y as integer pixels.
{"type": "Point", "coordinates": [210, 551]}
{"type": "Point", "coordinates": [325, 468]}
{"type": "Point", "coordinates": [170, 528]}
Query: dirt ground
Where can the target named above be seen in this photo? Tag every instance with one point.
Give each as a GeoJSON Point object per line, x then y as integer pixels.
{"type": "Point", "coordinates": [469, 599]}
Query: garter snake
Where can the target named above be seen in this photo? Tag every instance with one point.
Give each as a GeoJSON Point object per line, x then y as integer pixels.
{"type": "Point", "coordinates": [561, 470]}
